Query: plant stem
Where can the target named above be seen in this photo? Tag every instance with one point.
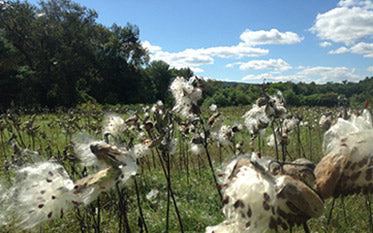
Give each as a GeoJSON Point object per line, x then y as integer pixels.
{"type": "Point", "coordinates": [213, 172]}
{"type": "Point", "coordinates": [167, 175]}
{"type": "Point", "coordinates": [205, 145]}
{"type": "Point", "coordinates": [139, 204]}
{"type": "Point", "coordinates": [274, 135]}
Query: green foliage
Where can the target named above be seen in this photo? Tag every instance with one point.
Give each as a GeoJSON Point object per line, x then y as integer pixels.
{"type": "Point", "coordinates": [160, 79]}
{"type": "Point", "coordinates": [300, 94]}
{"type": "Point", "coordinates": [58, 52]}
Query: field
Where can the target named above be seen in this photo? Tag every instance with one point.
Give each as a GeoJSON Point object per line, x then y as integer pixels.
{"type": "Point", "coordinates": [164, 181]}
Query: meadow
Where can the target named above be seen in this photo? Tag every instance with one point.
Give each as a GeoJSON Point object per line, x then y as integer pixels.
{"type": "Point", "coordinates": [171, 192]}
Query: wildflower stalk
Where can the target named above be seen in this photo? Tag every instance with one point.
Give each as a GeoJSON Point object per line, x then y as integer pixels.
{"type": "Point", "coordinates": [184, 152]}
{"type": "Point", "coordinates": [205, 145]}
{"type": "Point", "coordinates": [274, 134]}
{"type": "Point", "coordinates": [2, 142]}
{"type": "Point", "coordinates": [166, 157]}
{"type": "Point", "coordinates": [220, 159]}
{"type": "Point", "coordinates": [97, 221]}
{"type": "Point", "coordinates": [153, 158]}
{"type": "Point", "coordinates": [122, 209]}
{"type": "Point", "coordinates": [122, 202]}
{"type": "Point", "coordinates": [20, 138]}
{"type": "Point", "coordinates": [283, 150]}
{"type": "Point", "coordinates": [310, 136]}
{"type": "Point", "coordinates": [139, 204]}
{"type": "Point", "coordinates": [199, 166]}
{"type": "Point", "coordinates": [300, 146]}
{"type": "Point", "coordinates": [331, 211]}
{"type": "Point", "coordinates": [260, 144]}
{"type": "Point", "coordinates": [172, 196]}
{"type": "Point", "coordinates": [368, 205]}
{"type": "Point", "coordinates": [168, 208]}
{"type": "Point", "coordinates": [187, 163]}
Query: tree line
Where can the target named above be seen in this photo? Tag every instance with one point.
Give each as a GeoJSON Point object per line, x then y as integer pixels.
{"type": "Point", "coordinates": [296, 94]}
{"type": "Point", "coordinates": [57, 54]}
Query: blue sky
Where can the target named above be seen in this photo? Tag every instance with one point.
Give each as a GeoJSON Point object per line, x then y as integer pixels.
{"type": "Point", "coordinates": [249, 41]}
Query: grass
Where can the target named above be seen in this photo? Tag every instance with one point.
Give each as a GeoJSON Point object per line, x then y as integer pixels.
{"type": "Point", "coordinates": [195, 191]}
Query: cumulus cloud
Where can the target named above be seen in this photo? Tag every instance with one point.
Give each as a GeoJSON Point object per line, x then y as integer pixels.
{"type": "Point", "coordinates": [370, 69]}
{"type": "Point", "coordinates": [361, 3]}
{"type": "Point", "coordinates": [360, 48]}
{"type": "Point", "coordinates": [339, 50]}
{"type": "Point", "coordinates": [197, 57]}
{"type": "Point", "coordinates": [275, 64]}
{"type": "Point", "coordinates": [270, 77]}
{"type": "Point", "coordinates": [151, 48]}
{"type": "Point", "coordinates": [363, 48]}
{"type": "Point", "coordinates": [194, 58]}
{"type": "Point", "coordinates": [329, 74]}
{"type": "Point", "coordinates": [238, 51]}
{"type": "Point", "coordinates": [349, 23]}
{"type": "Point", "coordinates": [325, 44]}
{"type": "Point", "coordinates": [197, 70]}
{"type": "Point", "coordinates": [273, 36]}
{"type": "Point", "coordinates": [319, 74]}
{"type": "Point", "coordinates": [186, 58]}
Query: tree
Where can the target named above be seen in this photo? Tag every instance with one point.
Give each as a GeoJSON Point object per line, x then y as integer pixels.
{"type": "Point", "coordinates": [54, 43]}
{"type": "Point", "coordinates": [119, 58]}
{"type": "Point", "coordinates": [160, 75]}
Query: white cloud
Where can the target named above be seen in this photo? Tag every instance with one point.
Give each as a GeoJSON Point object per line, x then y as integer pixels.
{"type": "Point", "coordinates": [349, 23]}
{"type": "Point", "coordinates": [319, 74]}
{"type": "Point", "coordinates": [370, 69]}
{"type": "Point", "coordinates": [339, 50]}
{"type": "Point", "coordinates": [323, 74]}
{"type": "Point", "coordinates": [270, 77]}
{"type": "Point", "coordinates": [234, 51]}
{"type": "Point", "coordinates": [194, 58]}
{"type": "Point", "coordinates": [325, 44]}
{"type": "Point", "coordinates": [186, 58]}
{"type": "Point", "coordinates": [361, 3]}
{"type": "Point", "coordinates": [230, 65]}
{"type": "Point", "coordinates": [197, 70]}
{"type": "Point", "coordinates": [360, 48]}
{"type": "Point", "coordinates": [197, 57]}
{"type": "Point", "coordinates": [151, 48]}
{"type": "Point", "coordinates": [278, 64]}
{"type": "Point", "coordinates": [363, 48]}
{"type": "Point", "coordinates": [269, 37]}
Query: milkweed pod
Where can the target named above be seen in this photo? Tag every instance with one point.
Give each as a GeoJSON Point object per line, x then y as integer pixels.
{"type": "Point", "coordinates": [328, 172]}
{"type": "Point", "coordinates": [302, 197]}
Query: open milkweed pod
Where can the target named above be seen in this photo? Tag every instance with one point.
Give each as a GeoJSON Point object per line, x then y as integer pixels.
{"type": "Point", "coordinates": [40, 191]}
{"type": "Point", "coordinates": [300, 169]}
{"type": "Point", "coordinates": [88, 188]}
{"type": "Point", "coordinates": [103, 179]}
{"type": "Point", "coordinates": [249, 198]}
{"type": "Point", "coordinates": [349, 168]}
{"type": "Point", "coordinates": [328, 172]}
{"type": "Point", "coordinates": [212, 118]}
{"type": "Point", "coordinates": [110, 155]}
{"type": "Point", "coordinates": [82, 151]}
{"type": "Point", "coordinates": [296, 201]}
{"type": "Point", "coordinates": [113, 125]}
{"type": "Point", "coordinates": [131, 120]}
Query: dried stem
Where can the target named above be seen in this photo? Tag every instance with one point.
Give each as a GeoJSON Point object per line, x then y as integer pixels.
{"type": "Point", "coordinates": [139, 204]}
